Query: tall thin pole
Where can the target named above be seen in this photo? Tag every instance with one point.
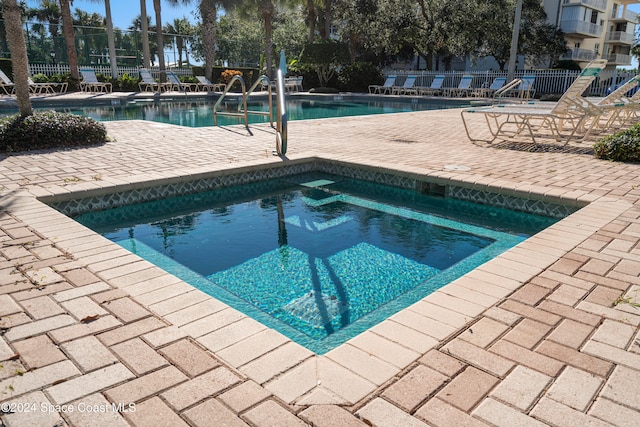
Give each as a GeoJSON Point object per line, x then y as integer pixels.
{"type": "Point", "coordinates": [513, 54]}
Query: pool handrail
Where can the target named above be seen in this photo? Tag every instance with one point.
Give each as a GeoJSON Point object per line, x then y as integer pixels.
{"type": "Point", "coordinates": [281, 115]}
{"type": "Point", "coordinates": [242, 114]}
{"type": "Point", "coordinates": [262, 79]}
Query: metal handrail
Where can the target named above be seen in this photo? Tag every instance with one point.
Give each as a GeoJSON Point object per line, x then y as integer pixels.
{"type": "Point", "coordinates": [497, 96]}
{"type": "Point", "coordinates": [262, 79]}
{"type": "Point", "coordinates": [281, 115]}
{"type": "Point", "coordinates": [227, 113]}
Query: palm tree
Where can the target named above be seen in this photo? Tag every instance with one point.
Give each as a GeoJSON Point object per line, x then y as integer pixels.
{"type": "Point", "coordinates": [111, 42]}
{"type": "Point", "coordinates": [209, 14]}
{"type": "Point", "coordinates": [179, 28]}
{"type": "Point", "coordinates": [157, 7]}
{"type": "Point", "coordinates": [18, 49]}
{"type": "Point", "coordinates": [144, 26]}
{"type": "Point", "coordinates": [47, 12]}
{"type": "Point", "coordinates": [69, 39]}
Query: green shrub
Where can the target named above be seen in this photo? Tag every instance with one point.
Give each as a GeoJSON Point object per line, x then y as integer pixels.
{"type": "Point", "coordinates": [49, 129]}
{"type": "Point", "coordinates": [620, 147]}
{"type": "Point", "coordinates": [358, 76]}
{"type": "Point", "coordinates": [128, 83]}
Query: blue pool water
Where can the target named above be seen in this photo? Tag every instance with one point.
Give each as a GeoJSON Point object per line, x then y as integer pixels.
{"type": "Point", "coordinates": [200, 113]}
{"type": "Point", "coordinates": [320, 258]}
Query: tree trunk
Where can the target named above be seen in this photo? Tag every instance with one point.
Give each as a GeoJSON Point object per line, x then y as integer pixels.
{"type": "Point", "coordinates": [158, 9]}
{"type": "Point", "coordinates": [327, 19]}
{"type": "Point", "coordinates": [267, 17]}
{"type": "Point", "coordinates": [111, 40]}
{"type": "Point", "coordinates": [209, 13]}
{"type": "Point", "coordinates": [18, 50]}
{"type": "Point", "coordinates": [144, 27]}
{"type": "Point", "coordinates": [311, 19]}
{"type": "Point", "coordinates": [70, 41]}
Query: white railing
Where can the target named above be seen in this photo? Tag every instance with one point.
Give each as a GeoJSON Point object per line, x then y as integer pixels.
{"type": "Point", "coordinates": [578, 54]}
{"type": "Point", "coordinates": [546, 81]}
{"type": "Point", "coordinates": [623, 14]}
{"type": "Point", "coordinates": [581, 27]}
{"type": "Point", "coordinates": [622, 36]}
{"type": "Point", "coordinates": [619, 59]}
{"type": "Point", "coordinates": [51, 69]}
{"type": "Point", "coordinates": [595, 4]}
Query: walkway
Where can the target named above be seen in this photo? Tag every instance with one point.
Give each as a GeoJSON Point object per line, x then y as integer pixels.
{"type": "Point", "coordinates": [546, 334]}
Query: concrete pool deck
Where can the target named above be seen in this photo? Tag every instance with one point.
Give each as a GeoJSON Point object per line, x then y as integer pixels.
{"type": "Point", "coordinates": [545, 334]}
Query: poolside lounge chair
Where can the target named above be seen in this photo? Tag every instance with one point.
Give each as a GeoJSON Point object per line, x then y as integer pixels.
{"type": "Point", "coordinates": [385, 87]}
{"type": "Point", "coordinates": [407, 88]}
{"type": "Point", "coordinates": [464, 87]}
{"type": "Point", "coordinates": [618, 104]}
{"type": "Point", "coordinates": [148, 83]}
{"type": "Point", "coordinates": [434, 89]}
{"type": "Point", "coordinates": [48, 87]}
{"type": "Point", "coordinates": [487, 92]}
{"type": "Point", "coordinates": [6, 84]}
{"type": "Point", "coordinates": [90, 83]}
{"type": "Point", "coordinates": [572, 117]}
{"type": "Point", "coordinates": [176, 84]}
{"type": "Point", "coordinates": [205, 84]}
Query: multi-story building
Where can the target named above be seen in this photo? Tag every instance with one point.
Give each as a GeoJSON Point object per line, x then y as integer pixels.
{"type": "Point", "coordinates": [595, 29]}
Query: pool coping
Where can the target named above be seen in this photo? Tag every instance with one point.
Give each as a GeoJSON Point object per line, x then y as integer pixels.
{"type": "Point", "coordinates": [344, 375]}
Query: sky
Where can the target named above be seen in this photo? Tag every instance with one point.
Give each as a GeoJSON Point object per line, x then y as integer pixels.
{"type": "Point", "coordinates": [123, 12]}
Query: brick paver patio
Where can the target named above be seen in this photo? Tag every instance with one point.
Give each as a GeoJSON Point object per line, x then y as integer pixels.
{"type": "Point", "coordinates": [545, 334]}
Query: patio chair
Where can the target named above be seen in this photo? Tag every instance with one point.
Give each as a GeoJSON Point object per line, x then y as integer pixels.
{"type": "Point", "coordinates": [148, 83]}
{"type": "Point", "coordinates": [176, 84]}
{"type": "Point", "coordinates": [434, 89]}
{"type": "Point", "coordinates": [6, 84]}
{"type": "Point", "coordinates": [524, 92]}
{"type": "Point", "coordinates": [463, 88]}
{"type": "Point", "coordinates": [573, 116]}
{"type": "Point", "coordinates": [385, 87]}
{"type": "Point", "coordinates": [407, 88]}
{"type": "Point", "coordinates": [90, 83]}
{"type": "Point", "coordinates": [487, 92]}
{"type": "Point", "coordinates": [205, 84]}
{"type": "Point", "coordinates": [48, 87]}
{"type": "Point", "coordinates": [619, 104]}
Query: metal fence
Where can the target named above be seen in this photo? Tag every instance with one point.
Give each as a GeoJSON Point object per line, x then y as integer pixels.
{"type": "Point", "coordinates": [546, 81]}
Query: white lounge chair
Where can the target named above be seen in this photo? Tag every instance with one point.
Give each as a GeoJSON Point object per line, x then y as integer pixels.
{"type": "Point", "coordinates": [177, 85]}
{"type": "Point", "coordinates": [463, 88]}
{"type": "Point", "coordinates": [6, 84]}
{"type": "Point", "coordinates": [90, 83]}
{"type": "Point", "coordinates": [407, 88]}
{"type": "Point", "coordinates": [434, 89]}
{"type": "Point", "coordinates": [385, 87]}
{"type": "Point", "coordinates": [148, 83]}
{"type": "Point", "coordinates": [205, 84]}
{"type": "Point", "coordinates": [572, 117]}
{"type": "Point", "coordinates": [617, 108]}
{"type": "Point", "coordinates": [48, 87]}
{"type": "Point", "coordinates": [487, 92]}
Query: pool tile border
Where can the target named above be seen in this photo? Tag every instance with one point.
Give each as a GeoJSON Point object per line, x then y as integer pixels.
{"type": "Point", "coordinates": [109, 197]}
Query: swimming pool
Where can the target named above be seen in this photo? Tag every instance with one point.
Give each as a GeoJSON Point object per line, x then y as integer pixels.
{"type": "Point", "coordinates": [316, 256]}
{"type": "Point", "coordinates": [199, 113]}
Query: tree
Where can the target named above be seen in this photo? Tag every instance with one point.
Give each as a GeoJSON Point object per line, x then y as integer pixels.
{"type": "Point", "coordinates": [181, 29]}
{"type": "Point", "coordinates": [325, 56]}
{"type": "Point", "coordinates": [47, 12]}
{"type": "Point", "coordinates": [18, 49]}
{"type": "Point", "coordinates": [69, 39]}
{"type": "Point", "coordinates": [157, 7]}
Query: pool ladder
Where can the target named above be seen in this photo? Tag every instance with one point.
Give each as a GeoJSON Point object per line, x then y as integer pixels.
{"type": "Point", "coordinates": [243, 112]}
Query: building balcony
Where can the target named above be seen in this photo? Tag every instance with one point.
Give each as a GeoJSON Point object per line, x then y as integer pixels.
{"type": "Point", "coordinates": [585, 29]}
{"type": "Point", "coordinates": [624, 15]}
{"type": "Point", "coordinates": [618, 59]}
{"type": "Point", "coordinates": [578, 54]}
{"type": "Point", "coordinates": [600, 5]}
{"type": "Point", "coordinates": [619, 37]}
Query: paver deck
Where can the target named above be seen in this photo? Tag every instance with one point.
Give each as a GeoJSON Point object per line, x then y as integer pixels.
{"type": "Point", "coordinates": [545, 334]}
